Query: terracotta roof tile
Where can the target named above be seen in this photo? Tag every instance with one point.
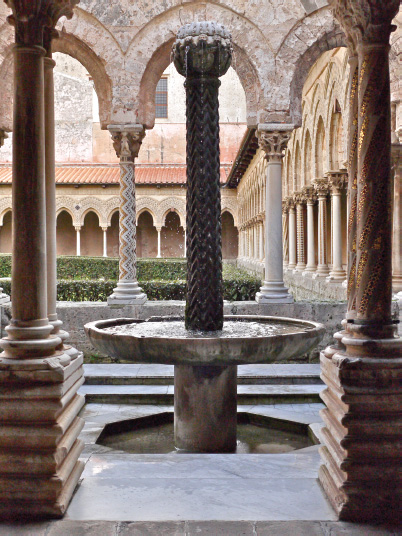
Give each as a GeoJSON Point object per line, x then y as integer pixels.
{"type": "Point", "coordinates": [109, 174]}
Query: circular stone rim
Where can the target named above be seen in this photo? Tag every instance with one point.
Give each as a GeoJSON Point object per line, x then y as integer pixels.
{"type": "Point", "coordinates": [205, 350]}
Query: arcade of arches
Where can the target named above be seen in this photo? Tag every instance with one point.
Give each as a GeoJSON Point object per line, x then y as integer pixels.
{"type": "Point", "coordinates": [311, 114]}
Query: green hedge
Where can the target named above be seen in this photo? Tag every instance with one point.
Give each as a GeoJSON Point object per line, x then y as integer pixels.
{"type": "Point", "coordinates": [80, 268]}
{"type": "Point", "coordinates": [156, 277]}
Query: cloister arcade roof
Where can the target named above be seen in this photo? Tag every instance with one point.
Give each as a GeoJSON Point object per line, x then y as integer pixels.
{"type": "Point", "coordinates": [147, 174]}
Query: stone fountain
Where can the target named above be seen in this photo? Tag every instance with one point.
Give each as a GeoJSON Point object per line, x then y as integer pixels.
{"type": "Point", "coordinates": [206, 348]}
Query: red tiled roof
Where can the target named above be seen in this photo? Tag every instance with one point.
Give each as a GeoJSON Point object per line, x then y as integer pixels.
{"type": "Point", "coordinates": [109, 174]}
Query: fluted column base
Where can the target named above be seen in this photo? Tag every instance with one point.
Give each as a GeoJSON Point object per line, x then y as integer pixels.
{"type": "Point", "coordinates": [361, 438]}
{"type": "Point", "coordinates": [127, 293]}
{"type": "Point", "coordinates": [274, 292]}
{"type": "Point", "coordinates": [39, 427]}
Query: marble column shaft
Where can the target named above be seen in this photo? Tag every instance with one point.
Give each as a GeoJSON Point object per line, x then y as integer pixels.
{"type": "Point", "coordinates": [321, 186]}
{"type": "Point", "coordinates": [127, 141]}
{"type": "Point", "coordinates": [337, 183]}
{"type": "Point", "coordinates": [39, 426]}
{"type": "Point", "coordinates": [311, 198]}
{"type": "Point", "coordinates": [273, 141]}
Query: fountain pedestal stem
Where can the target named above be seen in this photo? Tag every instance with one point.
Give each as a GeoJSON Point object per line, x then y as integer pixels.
{"type": "Point", "coordinates": [205, 406]}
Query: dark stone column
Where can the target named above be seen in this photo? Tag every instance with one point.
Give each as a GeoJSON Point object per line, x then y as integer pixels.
{"type": "Point", "coordinates": [205, 397]}
{"type": "Point", "coordinates": [202, 53]}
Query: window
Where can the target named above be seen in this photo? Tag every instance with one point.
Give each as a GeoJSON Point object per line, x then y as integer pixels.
{"type": "Point", "coordinates": [161, 98]}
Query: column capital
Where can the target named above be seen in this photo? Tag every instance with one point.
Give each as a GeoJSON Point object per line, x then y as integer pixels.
{"type": "Point", "coordinates": [290, 204]}
{"type": "Point", "coordinates": [77, 227]}
{"type": "Point", "coordinates": [396, 154]}
{"type": "Point", "coordinates": [3, 136]}
{"type": "Point", "coordinates": [337, 181]}
{"type": "Point", "coordinates": [366, 22]}
{"type": "Point", "coordinates": [31, 18]}
{"type": "Point", "coordinates": [310, 194]}
{"type": "Point", "coordinates": [321, 187]}
{"type": "Point", "coordinates": [127, 140]}
{"type": "Point", "coordinates": [300, 198]}
{"type": "Point", "coordinates": [273, 139]}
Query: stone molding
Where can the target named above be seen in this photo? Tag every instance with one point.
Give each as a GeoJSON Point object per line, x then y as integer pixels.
{"type": "Point", "coordinates": [3, 136]}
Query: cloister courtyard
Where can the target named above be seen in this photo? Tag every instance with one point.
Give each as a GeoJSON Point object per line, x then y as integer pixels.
{"type": "Point", "coordinates": [96, 223]}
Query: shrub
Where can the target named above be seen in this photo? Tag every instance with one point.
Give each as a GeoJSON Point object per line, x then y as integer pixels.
{"type": "Point", "coordinates": [94, 278]}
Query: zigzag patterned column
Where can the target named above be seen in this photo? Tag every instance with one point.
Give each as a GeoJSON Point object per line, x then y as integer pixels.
{"type": "Point", "coordinates": [204, 394]}
{"type": "Point", "coordinates": [361, 471]}
{"type": "Point", "coordinates": [127, 141]}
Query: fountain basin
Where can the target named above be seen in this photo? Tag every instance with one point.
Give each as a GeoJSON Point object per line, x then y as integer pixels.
{"type": "Point", "coordinates": [286, 338]}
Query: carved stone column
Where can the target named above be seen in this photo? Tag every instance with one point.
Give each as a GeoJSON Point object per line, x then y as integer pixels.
{"type": "Point", "coordinates": [292, 234]}
{"type": "Point", "coordinates": [104, 230]}
{"type": "Point", "coordinates": [127, 141]}
{"type": "Point", "coordinates": [273, 139]}
{"type": "Point", "coordinates": [39, 449]}
{"type": "Point", "coordinates": [78, 240]}
{"type": "Point", "coordinates": [337, 183]}
{"type": "Point", "coordinates": [311, 198]}
{"type": "Point", "coordinates": [159, 230]}
{"type": "Point", "coordinates": [300, 201]}
{"type": "Point", "coordinates": [361, 471]}
{"type": "Point", "coordinates": [397, 231]}
{"type": "Point", "coordinates": [321, 187]}
{"type": "Point", "coordinates": [285, 233]}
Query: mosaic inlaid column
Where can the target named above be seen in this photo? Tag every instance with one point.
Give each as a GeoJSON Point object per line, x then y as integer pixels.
{"type": "Point", "coordinates": [273, 140]}
{"type": "Point", "coordinates": [127, 141]}
{"type": "Point", "coordinates": [39, 449]}
{"type": "Point", "coordinates": [397, 232]}
{"type": "Point", "coordinates": [361, 452]}
{"type": "Point", "coordinates": [311, 198]}
{"type": "Point", "coordinates": [300, 201]}
{"type": "Point", "coordinates": [321, 187]}
{"type": "Point", "coordinates": [292, 234]}
{"type": "Point", "coordinates": [337, 183]}
{"type": "Point", "coordinates": [285, 227]}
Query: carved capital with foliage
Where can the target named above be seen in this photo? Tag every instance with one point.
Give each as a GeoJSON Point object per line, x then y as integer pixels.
{"type": "Point", "coordinates": [310, 194]}
{"type": "Point", "coordinates": [321, 187]}
{"type": "Point", "coordinates": [273, 143]}
{"type": "Point", "coordinates": [127, 140]}
{"type": "Point", "coordinates": [31, 17]}
{"type": "Point", "coordinates": [337, 181]}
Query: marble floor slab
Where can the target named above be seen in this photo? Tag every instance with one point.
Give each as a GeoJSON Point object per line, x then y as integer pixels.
{"type": "Point", "coordinates": [219, 487]}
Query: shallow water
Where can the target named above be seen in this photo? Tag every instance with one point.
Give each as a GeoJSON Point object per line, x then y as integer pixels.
{"type": "Point", "coordinates": [251, 439]}
{"type": "Point", "coordinates": [231, 329]}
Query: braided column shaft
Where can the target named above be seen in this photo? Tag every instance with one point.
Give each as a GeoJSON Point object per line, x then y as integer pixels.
{"type": "Point", "coordinates": [374, 209]}
{"type": "Point", "coordinates": [204, 310]}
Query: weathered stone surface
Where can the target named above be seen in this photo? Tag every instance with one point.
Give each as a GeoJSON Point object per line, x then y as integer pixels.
{"type": "Point", "coordinates": [82, 528]}
{"type": "Point", "coordinates": [219, 528]}
{"type": "Point", "coordinates": [289, 528]}
{"type": "Point", "coordinates": [150, 529]}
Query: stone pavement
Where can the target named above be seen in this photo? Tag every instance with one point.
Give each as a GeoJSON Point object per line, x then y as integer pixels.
{"type": "Point", "coordinates": [196, 528]}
